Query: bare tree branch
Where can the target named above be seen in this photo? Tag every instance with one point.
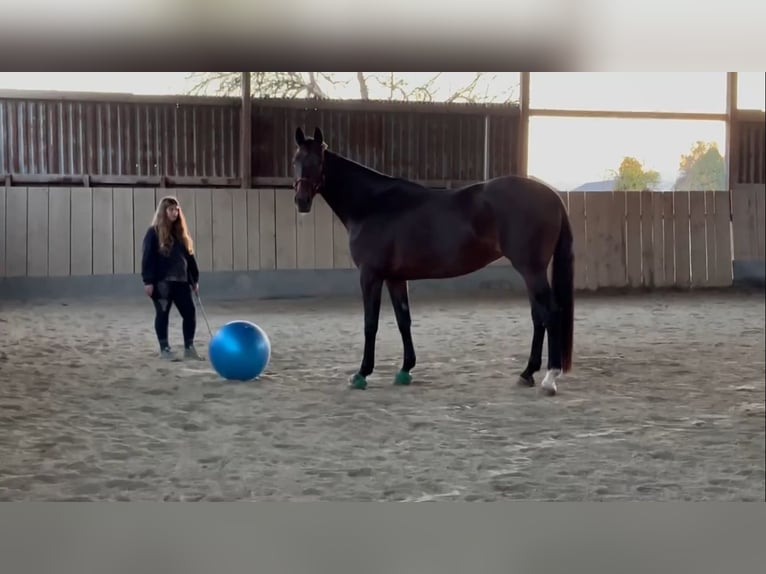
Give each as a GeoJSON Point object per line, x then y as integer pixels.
{"type": "Point", "coordinates": [483, 87]}
{"type": "Point", "coordinates": [466, 93]}
{"type": "Point", "coordinates": [364, 91]}
{"type": "Point", "coordinates": [313, 88]}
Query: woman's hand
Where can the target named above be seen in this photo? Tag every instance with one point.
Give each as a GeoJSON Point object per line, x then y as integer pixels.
{"type": "Point", "coordinates": [195, 287]}
{"type": "Point", "coordinates": [149, 290]}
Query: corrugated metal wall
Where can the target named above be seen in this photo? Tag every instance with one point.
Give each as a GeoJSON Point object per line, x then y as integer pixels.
{"type": "Point", "coordinates": [411, 144]}
{"type": "Point", "coordinates": [109, 138]}
{"type": "Point", "coordinates": [50, 137]}
{"type": "Point", "coordinates": [750, 144]}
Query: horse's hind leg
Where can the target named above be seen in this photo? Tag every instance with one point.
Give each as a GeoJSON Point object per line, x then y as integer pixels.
{"type": "Point", "coordinates": [535, 361]}
{"type": "Point", "coordinates": [400, 301]}
{"type": "Point", "coordinates": [545, 317]}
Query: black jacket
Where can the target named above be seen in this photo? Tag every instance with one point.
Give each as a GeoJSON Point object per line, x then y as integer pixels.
{"type": "Point", "coordinates": [154, 265]}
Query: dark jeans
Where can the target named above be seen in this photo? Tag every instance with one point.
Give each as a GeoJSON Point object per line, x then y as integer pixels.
{"type": "Point", "coordinates": [167, 294]}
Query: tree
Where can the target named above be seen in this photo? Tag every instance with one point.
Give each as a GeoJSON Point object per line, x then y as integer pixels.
{"type": "Point", "coordinates": [702, 169]}
{"type": "Point", "coordinates": [631, 176]}
{"type": "Point", "coordinates": [482, 88]}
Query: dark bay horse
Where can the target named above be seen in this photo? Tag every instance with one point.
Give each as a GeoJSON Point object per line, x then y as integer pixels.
{"type": "Point", "coordinates": [401, 231]}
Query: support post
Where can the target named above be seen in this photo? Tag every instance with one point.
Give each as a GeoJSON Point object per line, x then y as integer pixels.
{"type": "Point", "coordinates": [245, 133]}
{"type": "Point", "coordinates": [523, 140]}
{"type": "Point", "coordinates": [731, 129]}
{"type": "Point", "coordinates": [487, 147]}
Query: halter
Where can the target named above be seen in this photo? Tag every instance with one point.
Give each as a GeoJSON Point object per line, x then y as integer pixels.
{"type": "Point", "coordinates": [315, 185]}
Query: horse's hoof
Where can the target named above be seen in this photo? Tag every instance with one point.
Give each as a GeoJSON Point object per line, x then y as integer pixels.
{"type": "Point", "coordinates": [402, 378]}
{"type": "Point", "coordinates": [526, 382]}
{"type": "Point", "coordinates": [358, 382]}
{"type": "Point", "coordinates": [549, 391]}
{"type": "Point", "coordinates": [548, 386]}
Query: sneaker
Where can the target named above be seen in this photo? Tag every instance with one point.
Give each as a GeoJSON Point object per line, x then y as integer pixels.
{"type": "Point", "coordinates": [191, 353]}
{"type": "Point", "coordinates": [167, 354]}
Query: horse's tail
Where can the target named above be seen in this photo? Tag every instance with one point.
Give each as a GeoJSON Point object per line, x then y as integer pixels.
{"type": "Point", "coordinates": [563, 289]}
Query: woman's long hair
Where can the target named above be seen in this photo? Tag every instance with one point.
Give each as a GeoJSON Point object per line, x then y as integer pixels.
{"type": "Point", "coordinates": [168, 231]}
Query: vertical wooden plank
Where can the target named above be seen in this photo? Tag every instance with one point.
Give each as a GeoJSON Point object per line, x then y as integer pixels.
{"type": "Point", "coordinates": [580, 248]}
{"type": "Point", "coordinates": [253, 229]}
{"type": "Point", "coordinates": [633, 238]}
{"type": "Point", "coordinates": [103, 238]}
{"type": "Point", "coordinates": [203, 204]}
{"type": "Point", "coordinates": [239, 229]}
{"type": "Point", "coordinates": [710, 234]}
{"type": "Point", "coordinates": [739, 223]}
{"type": "Point", "coordinates": [82, 231]}
{"type": "Point", "coordinates": [760, 219]}
{"type": "Point", "coordinates": [744, 225]}
{"type": "Point", "coordinates": [222, 204]}
{"type": "Point", "coordinates": [59, 231]}
{"type": "Point", "coordinates": [697, 239]}
{"type": "Point", "coordinates": [16, 231]}
{"type": "Point", "coordinates": [306, 231]}
{"type": "Point", "coordinates": [647, 239]}
{"type": "Point", "coordinates": [2, 231]}
{"type": "Point", "coordinates": [143, 213]}
{"type": "Point", "coordinates": [286, 229]}
{"type": "Point", "coordinates": [669, 239]}
{"type": "Point", "coordinates": [681, 222]}
{"type": "Point", "coordinates": [124, 230]}
{"type": "Point", "coordinates": [37, 231]}
{"type": "Point", "coordinates": [268, 239]}
{"type": "Point", "coordinates": [591, 221]}
{"type": "Point", "coordinates": [323, 234]}
{"type": "Point", "coordinates": [603, 200]}
{"type": "Point", "coordinates": [341, 255]}
{"type": "Point", "coordinates": [658, 240]}
{"type": "Point", "coordinates": [723, 264]}
{"type": "Point", "coordinates": [595, 222]}
{"type": "Point", "coordinates": [616, 258]}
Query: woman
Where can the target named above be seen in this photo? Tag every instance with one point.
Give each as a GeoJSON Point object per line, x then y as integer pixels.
{"type": "Point", "coordinates": [170, 273]}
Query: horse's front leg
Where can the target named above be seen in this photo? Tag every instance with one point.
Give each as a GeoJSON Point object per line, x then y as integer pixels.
{"type": "Point", "coordinates": [372, 287]}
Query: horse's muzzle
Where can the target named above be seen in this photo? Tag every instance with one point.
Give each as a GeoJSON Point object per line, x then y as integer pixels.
{"type": "Point", "coordinates": [303, 203]}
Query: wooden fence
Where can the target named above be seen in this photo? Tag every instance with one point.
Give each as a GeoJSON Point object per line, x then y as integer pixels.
{"type": "Point", "coordinates": [748, 206]}
{"type": "Point", "coordinates": [651, 239]}
{"type": "Point", "coordinates": [622, 239]}
{"type": "Point", "coordinates": [96, 231]}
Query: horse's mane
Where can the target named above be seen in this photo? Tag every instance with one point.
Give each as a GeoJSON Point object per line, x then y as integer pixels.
{"type": "Point", "coordinates": [384, 179]}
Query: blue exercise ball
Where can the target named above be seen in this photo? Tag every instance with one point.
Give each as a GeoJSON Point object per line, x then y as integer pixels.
{"type": "Point", "coordinates": [240, 351]}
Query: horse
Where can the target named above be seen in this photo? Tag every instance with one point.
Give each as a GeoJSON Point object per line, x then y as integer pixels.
{"type": "Point", "coordinates": [401, 231]}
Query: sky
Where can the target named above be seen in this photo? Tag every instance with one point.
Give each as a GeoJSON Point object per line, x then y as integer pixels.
{"type": "Point", "coordinates": [565, 152]}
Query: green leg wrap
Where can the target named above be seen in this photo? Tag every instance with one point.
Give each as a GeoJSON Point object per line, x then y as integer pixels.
{"type": "Point", "coordinates": [358, 382]}
{"type": "Point", "coordinates": [402, 378]}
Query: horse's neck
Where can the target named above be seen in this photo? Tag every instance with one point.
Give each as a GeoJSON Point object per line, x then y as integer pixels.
{"type": "Point", "coordinates": [348, 188]}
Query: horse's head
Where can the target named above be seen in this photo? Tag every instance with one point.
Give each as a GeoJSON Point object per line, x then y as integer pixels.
{"type": "Point", "coordinates": [308, 166]}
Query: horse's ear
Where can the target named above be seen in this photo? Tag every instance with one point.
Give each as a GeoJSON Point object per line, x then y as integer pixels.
{"type": "Point", "coordinates": [318, 136]}
{"type": "Point", "coordinates": [300, 137]}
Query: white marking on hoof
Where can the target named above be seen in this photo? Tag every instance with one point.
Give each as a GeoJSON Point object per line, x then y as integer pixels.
{"type": "Point", "coordinates": [549, 382]}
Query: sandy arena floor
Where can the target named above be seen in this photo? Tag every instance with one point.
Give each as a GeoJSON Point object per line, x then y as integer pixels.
{"type": "Point", "coordinates": [666, 403]}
